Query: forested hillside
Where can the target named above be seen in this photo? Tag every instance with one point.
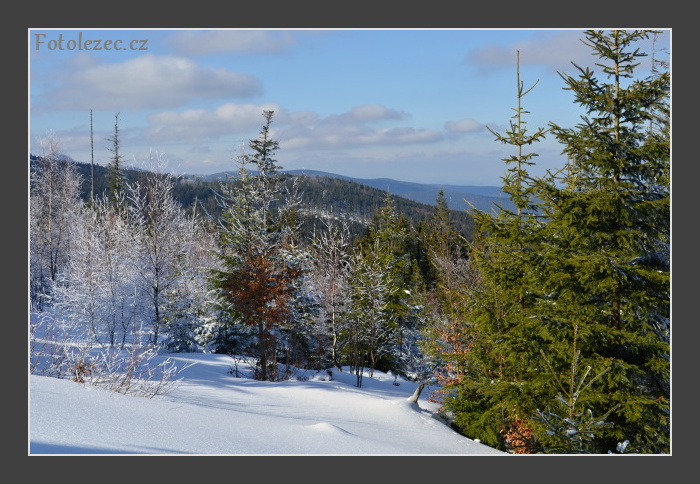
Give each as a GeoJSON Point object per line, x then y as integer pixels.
{"type": "Point", "coordinates": [321, 196]}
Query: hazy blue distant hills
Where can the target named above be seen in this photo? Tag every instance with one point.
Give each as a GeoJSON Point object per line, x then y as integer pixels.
{"type": "Point", "coordinates": [323, 196]}
{"type": "Point", "coordinates": [481, 197]}
{"type": "Point", "coordinates": [457, 196]}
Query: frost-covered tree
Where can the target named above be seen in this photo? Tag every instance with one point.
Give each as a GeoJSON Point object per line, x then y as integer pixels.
{"type": "Point", "coordinates": [262, 270]}
{"type": "Point", "coordinates": [54, 204]}
{"type": "Point", "coordinates": [166, 238]}
{"type": "Point", "coordinates": [99, 285]}
{"type": "Point", "coordinates": [392, 244]}
{"type": "Point", "coordinates": [190, 304]}
{"type": "Point", "coordinates": [370, 330]}
{"type": "Point", "coordinates": [331, 252]}
{"type": "Point", "coordinates": [139, 270]}
{"type": "Point", "coordinates": [83, 287]}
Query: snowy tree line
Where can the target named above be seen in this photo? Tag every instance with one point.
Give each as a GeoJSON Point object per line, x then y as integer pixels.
{"type": "Point", "coordinates": [130, 267]}
{"type": "Point", "coordinates": [549, 332]}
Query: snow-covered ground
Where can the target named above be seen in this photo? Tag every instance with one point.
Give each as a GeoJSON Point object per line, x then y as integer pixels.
{"type": "Point", "coordinates": [212, 412]}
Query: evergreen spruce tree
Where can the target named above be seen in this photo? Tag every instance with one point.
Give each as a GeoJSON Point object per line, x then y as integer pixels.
{"type": "Point", "coordinates": [440, 239]}
{"type": "Point", "coordinates": [261, 275]}
{"type": "Point", "coordinates": [448, 280]}
{"type": "Point", "coordinates": [498, 386]}
{"type": "Point", "coordinates": [605, 266]}
{"type": "Point", "coordinates": [391, 242]}
{"type": "Point", "coordinates": [568, 429]}
{"type": "Point", "coordinates": [115, 176]}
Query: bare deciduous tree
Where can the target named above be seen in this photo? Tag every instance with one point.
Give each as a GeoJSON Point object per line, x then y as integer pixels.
{"type": "Point", "coordinates": [331, 273]}
{"type": "Point", "coordinates": [54, 204]}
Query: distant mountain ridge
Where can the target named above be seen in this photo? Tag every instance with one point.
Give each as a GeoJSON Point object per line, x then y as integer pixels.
{"type": "Point", "coordinates": [458, 197]}
{"type": "Point", "coordinates": [323, 196]}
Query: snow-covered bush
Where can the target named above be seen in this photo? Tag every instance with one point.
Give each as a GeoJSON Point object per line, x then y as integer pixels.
{"type": "Point", "coordinates": [62, 349]}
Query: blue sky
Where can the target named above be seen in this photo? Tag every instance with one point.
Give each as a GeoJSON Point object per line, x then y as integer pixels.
{"type": "Point", "coordinates": [407, 104]}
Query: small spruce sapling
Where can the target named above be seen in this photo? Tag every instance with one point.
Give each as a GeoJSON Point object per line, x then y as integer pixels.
{"type": "Point", "coordinates": [575, 431]}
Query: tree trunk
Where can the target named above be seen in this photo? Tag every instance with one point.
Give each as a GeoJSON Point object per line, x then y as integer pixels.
{"type": "Point", "coordinates": [414, 398]}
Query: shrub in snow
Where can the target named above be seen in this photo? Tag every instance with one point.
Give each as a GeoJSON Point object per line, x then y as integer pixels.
{"type": "Point", "coordinates": [60, 349]}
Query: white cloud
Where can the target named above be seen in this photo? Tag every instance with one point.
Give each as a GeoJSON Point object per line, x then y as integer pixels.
{"type": "Point", "coordinates": [463, 126]}
{"type": "Point", "coordinates": [401, 136]}
{"type": "Point", "coordinates": [200, 124]}
{"type": "Point", "coordinates": [556, 50]}
{"type": "Point", "coordinates": [299, 118]}
{"type": "Point", "coordinates": [146, 82]}
{"type": "Point", "coordinates": [553, 49]}
{"type": "Point", "coordinates": [367, 113]}
{"type": "Point", "coordinates": [293, 130]}
{"type": "Point", "coordinates": [199, 42]}
{"type": "Point", "coordinates": [352, 129]}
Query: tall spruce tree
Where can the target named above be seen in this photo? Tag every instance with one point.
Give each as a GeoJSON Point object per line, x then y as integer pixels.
{"type": "Point", "coordinates": [495, 393]}
{"type": "Point", "coordinates": [115, 173]}
{"type": "Point", "coordinates": [261, 273]}
{"type": "Point", "coordinates": [448, 280]}
{"type": "Point", "coordinates": [392, 243]}
{"type": "Point", "coordinates": [441, 241]}
{"type": "Point", "coordinates": [605, 266]}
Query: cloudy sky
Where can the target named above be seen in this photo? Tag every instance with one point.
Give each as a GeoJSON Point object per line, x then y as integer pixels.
{"type": "Point", "coordinates": [411, 105]}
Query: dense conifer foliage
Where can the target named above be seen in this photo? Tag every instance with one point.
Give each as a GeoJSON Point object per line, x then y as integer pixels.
{"type": "Point", "coordinates": [572, 303]}
{"type": "Point", "coordinates": [499, 383]}
{"type": "Point", "coordinates": [606, 265]}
